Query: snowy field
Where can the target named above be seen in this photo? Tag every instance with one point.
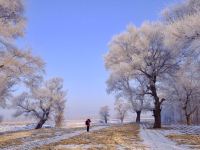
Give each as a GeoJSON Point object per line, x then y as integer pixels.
{"type": "Point", "coordinates": [156, 139]}
{"type": "Point", "coordinates": [9, 126]}
{"type": "Point", "coordinates": [19, 135]}
{"type": "Point", "coordinates": [42, 139]}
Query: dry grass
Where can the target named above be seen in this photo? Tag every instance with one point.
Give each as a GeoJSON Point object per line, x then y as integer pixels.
{"type": "Point", "coordinates": [48, 133]}
{"type": "Point", "coordinates": [17, 138]}
{"type": "Point", "coordinates": [13, 138]}
{"type": "Point", "coordinates": [187, 139]}
{"type": "Point", "coordinates": [126, 136]}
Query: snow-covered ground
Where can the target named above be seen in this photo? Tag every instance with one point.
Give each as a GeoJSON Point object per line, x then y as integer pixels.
{"type": "Point", "coordinates": [40, 142]}
{"type": "Point", "coordinates": [21, 126]}
{"type": "Point", "coordinates": [5, 128]}
{"type": "Point", "coordinates": [155, 139]}
{"type": "Point", "coordinates": [187, 129]}
{"type": "Point", "coordinates": [10, 127]}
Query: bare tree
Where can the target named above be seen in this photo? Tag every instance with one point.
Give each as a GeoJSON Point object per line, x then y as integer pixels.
{"type": "Point", "coordinates": [121, 108]}
{"type": "Point", "coordinates": [43, 102]}
{"type": "Point", "coordinates": [104, 113]}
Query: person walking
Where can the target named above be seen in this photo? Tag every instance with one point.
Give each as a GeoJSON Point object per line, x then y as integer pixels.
{"type": "Point", "coordinates": [87, 123]}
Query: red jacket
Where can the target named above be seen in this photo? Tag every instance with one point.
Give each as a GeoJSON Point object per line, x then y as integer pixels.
{"type": "Point", "coordinates": [87, 122]}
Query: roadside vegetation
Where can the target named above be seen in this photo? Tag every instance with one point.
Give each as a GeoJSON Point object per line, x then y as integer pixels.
{"type": "Point", "coordinates": [186, 139]}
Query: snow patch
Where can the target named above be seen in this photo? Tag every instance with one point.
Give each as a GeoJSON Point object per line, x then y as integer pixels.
{"type": "Point", "coordinates": [155, 139]}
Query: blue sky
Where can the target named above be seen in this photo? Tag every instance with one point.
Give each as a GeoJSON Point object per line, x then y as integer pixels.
{"type": "Point", "coordinates": [73, 35]}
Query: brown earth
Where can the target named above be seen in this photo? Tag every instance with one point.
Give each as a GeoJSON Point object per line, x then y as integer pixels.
{"type": "Point", "coordinates": [188, 139]}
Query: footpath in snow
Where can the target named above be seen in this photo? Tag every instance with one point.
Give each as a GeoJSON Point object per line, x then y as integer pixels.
{"type": "Point", "coordinates": [38, 143]}
{"type": "Point", "coordinates": [155, 139]}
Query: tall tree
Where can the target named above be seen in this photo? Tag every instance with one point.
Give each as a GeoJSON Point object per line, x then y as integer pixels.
{"type": "Point", "coordinates": [16, 65]}
{"type": "Point", "coordinates": [145, 52]}
{"type": "Point", "coordinates": [183, 34]}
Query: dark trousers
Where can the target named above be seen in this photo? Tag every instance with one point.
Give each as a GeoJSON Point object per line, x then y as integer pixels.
{"type": "Point", "coordinates": [88, 128]}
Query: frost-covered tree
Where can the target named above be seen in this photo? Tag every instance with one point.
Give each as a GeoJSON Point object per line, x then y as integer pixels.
{"type": "Point", "coordinates": [42, 103]}
{"type": "Point", "coordinates": [183, 30]}
{"type": "Point", "coordinates": [16, 66]}
{"type": "Point", "coordinates": [12, 20]}
{"type": "Point", "coordinates": [183, 34]}
{"type": "Point", "coordinates": [142, 102]}
{"type": "Point", "coordinates": [121, 107]}
{"type": "Point", "coordinates": [104, 113]}
{"type": "Point", "coordinates": [144, 51]}
{"type": "Point", "coordinates": [122, 83]}
{"type": "Point", "coordinates": [59, 110]}
{"type": "Point", "coordinates": [185, 88]}
{"type": "Point", "coordinates": [178, 11]}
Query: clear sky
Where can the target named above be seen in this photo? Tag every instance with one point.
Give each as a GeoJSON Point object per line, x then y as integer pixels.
{"type": "Point", "coordinates": [73, 35]}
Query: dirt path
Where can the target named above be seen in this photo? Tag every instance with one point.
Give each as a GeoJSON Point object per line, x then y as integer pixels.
{"type": "Point", "coordinates": [156, 139]}
{"type": "Point", "coordinates": [28, 145]}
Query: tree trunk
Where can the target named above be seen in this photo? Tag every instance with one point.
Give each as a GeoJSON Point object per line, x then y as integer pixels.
{"type": "Point", "coordinates": [157, 117]}
{"type": "Point", "coordinates": [181, 116]}
{"type": "Point", "coordinates": [188, 115]}
{"type": "Point", "coordinates": [197, 116]}
{"type": "Point", "coordinates": [122, 120]}
{"type": "Point", "coordinates": [40, 123]}
{"type": "Point", "coordinates": [188, 119]}
{"type": "Point", "coordinates": [106, 121]}
{"type": "Point", "coordinates": [138, 116]}
{"type": "Point", "coordinates": [157, 104]}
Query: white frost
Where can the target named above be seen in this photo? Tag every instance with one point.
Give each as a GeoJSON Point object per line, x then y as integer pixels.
{"type": "Point", "coordinates": [156, 139]}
